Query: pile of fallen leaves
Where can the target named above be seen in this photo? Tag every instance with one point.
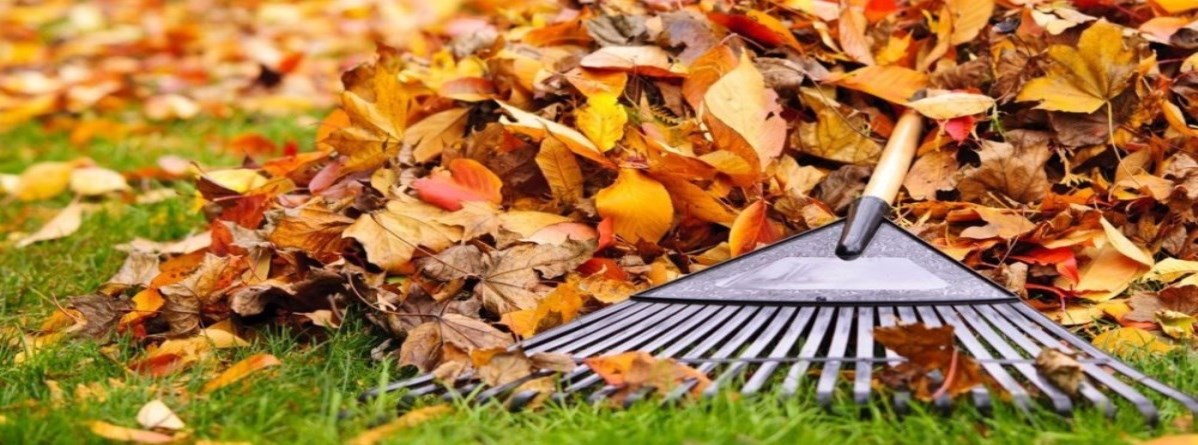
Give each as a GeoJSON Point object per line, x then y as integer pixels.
{"type": "Point", "coordinates": [557, 159]}
{"type": "Point", "coordinates": [175, 60]}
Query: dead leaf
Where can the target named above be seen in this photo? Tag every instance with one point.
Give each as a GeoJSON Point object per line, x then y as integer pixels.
{"type": "Point", "coordinates": [1130, 341]}
{"type": "Point", "coordinates": [561, 171]}
{"type": "Point", "coordinates": [639, 206]}
{"type": "Point", "coordinates": [408, 420]}
{"type": "Point", "coordinates": [465, 180]}
{"type": "Point", "coordinates": [65, 223]}
{"type": "Point", "coordinates": [155, 414]}
{"type": "Point", "coordinates": [122, 434]}
{"type": "Point", "coordinates": [751, 229]}
{"type": "Point", "coordinates": [43, 180]}
{"type": "Point", "coordinates": [740, 100]}
{"type": "Point", "coordinates": [1060, 369]}
{"type": "Point", "coordinates": [426, 344]}
{"type": "Point", "coordinates": [928, 350]}
{"type": "Point", "coordinates": [1083, 79]}
{"type": "Point", "coordinates": [241, 370]}
{"type": "Point", "coordinates": [392, 235]}
{"type": "Point", "coordinates": [1008, 170]}
{"type": "Point", "coordinates": [602, 120]}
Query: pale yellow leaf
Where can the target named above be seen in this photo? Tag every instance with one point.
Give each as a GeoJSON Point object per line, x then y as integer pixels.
{"type": "Point", "coordinates": [94, 181]}
{"type": "Point", "coordinates": [62, 225]}
{"type": "Point", "coordinates": [739, 99]}
{"type": "Point", "coordinates": [1125, 246]}
{"type": "Point", "coordinates": [155, 414]}
{"type": "Point", "coordinates": [538, 128]}
{"type": "Point", "coordinates": [43, 180]}
{"type": "Point", "coordinates": [122, 434]}
{"type": "Point", "coordinates": [952, 104]}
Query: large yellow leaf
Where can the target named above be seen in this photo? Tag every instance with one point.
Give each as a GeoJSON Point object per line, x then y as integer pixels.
{"type": "Point", "coordinates": [1083, 79]}
{"type": "Point", "coordinates": [640, 208]}
{"type": "Point", "coordinates": [538, 128]}
{"type": "Point", "coordinates": [43, 180]}
{"type": "Point", "coordinates": [602, 120]}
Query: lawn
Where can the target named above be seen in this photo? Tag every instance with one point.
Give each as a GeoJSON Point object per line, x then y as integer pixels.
{"type": "Point", "coordinates": [311, 398]}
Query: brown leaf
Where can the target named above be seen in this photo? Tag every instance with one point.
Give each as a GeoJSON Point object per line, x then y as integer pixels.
{"type": "Point", "coordinates": [1014, 171]}
{"type": "Point", "coordinates": [426, 344]}
{"type": "Point", "coordinates": [1060, 369]}
{"type": "Point", "coordinates": [927, 350]}
{"type": "Point", "coordinates": [186, 300]}
{"type": "Point", "coordinates": [100, 313]}
{"type": "Point", "coordinates": [632, 371]}
{"type": "Point", "coordinates": [932, 172]}
{"type": "Point", "coordinates": [392, 235]}
{"type": "Point", "coordinates": [313, 229]}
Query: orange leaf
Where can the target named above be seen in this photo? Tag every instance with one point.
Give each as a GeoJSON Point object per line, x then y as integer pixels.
{"type": "Point", "coordinates": [1062, 258]}
{"type": "Point", "coordinates": [640, 207]}
{"type": "Point", "coordinates": [240, 370]}
{"type": "Point", "coordinates": [466, 180]}
{"type": "Point", "coordinates": [122, 434]}
{"type": "Point", "coordinates": [751, 228]}
{"type": "Point", "coordinates": [892, 83]}
{"type": "Point", "coordinates": [758, 26]}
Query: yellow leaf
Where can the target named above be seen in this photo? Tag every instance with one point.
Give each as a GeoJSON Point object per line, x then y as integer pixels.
{"type": "Point", "coordinates": [1075, 315]}
{"type": "Point", "coordinates": [408, 420]}
{"type": "Point", "coordinates": [62, 225]}
{"type": "Point", "coordinates": [640, 208]}
{"type": "Point", "coordinates": [538, 128]}
{"type": "Point", "coordinates": [1106, 275]}
{"type": "Point", "coordinates": [1083, 79]}
{"type": "Point", "coordinates": [240, 370]}
{"type": "Point", "coordinates": [969, 17]}
{"type": "Point", "coordinates": [239, 180]}
{"type": "Point", "coordinates": [1128, 341]}
{"type": "Point", "coordinates": [429, 137]}
{"type": "Point", "coordinates": [602, 120]}
{"type": "Point", "coordinates": [952, 104]}
{"type": "Point", "coordinates": [122, 434]}
{"type": "Point", "coordinates": [94, 181]}
{"type": "Point", "coordinates": [1176, 6]}
{"type": "Point", "coordinates": [561, 171]}
{"type": "Point", "coordinates": [1176, 324]}
{"type": "Point", "coordinates": [392, 235]}
{"type": "Point", "coordinates": [1169, 270]}
{"type": "Point", "coordinates": [838, 137]}
{"type": "Point", "coordinates": [43, 180]}
{"type": "Point", "coordinates": [1125, 246]}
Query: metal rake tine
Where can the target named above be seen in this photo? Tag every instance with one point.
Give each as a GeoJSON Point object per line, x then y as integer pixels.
{"type": "Point", "coordinates": [644, 331]}
{"type": "Point", "coordinates": [592, 320]}
{"type": "Point", "coordinates": [1017, 336]}
{"type": "Point", "coordinates": [943, 402]}
{"type": "Point", "coordinates": [585, 337]}
{"type": "Point", "coordinates": [996, 371]}
{"type": "Point", "coordinates": [394, 386]}
{"type": "Point", "coordinates": [785, 344]}
{"type": "Point", "coordinates": [887, 318]}
{"type": "Point", "coordinates": [1060, 402]}
{"type": "Point", "coordinates": [865, 350]}
{"type": "Point", "coordinates": [815, 338]}
{"type": "Point", "coordinates": [826, 385]}
{"type": "Point", "coordinates": [761, 317]}
{"type": "Point", "coordinates": [772, 326]}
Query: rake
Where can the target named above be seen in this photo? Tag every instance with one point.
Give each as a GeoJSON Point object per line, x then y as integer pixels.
{"type": "Point", "coordinates": [776, 318]}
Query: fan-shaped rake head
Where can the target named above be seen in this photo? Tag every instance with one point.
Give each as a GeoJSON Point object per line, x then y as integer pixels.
{"type": "Point", "coordinates": [785, 349]}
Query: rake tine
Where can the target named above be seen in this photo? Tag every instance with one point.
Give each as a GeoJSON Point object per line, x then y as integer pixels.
{"type": "Point", "coordinates": [943, 402]}
{"type": "Point", "coordinates": [759, 320]}
{"type": "Point", "coordinates": [865, 350]}
{"type": "Point", "coordinates": [826, 385]}
{"type": "Point", "coordinates": [1018, 394]}
{"type": "Point", "coordinates": [906, 315]}
{"type": "Point", "coordinates": [1187, 400]}
{"type": "Point", "coordinates": [394, 386]}
{"type": "Point", "coordinates": [586, 337]}
{"type": "Point", "coordinates": [887, 318]}
{"type": "Point", "coordinates": [815, 337]}
{"type": "Point", "coordinates": [1060, 401]}
{"type": "Point", "coordinates": [772, 328]}
{"type": "Point", "coordinates": [505, 388]}
{"type": "Point", "coordinates": [591, 321]}
{"type": "Point", "coordinates": [631, 338]}
{"type": "Point", "coordinates": [783, 348]}
{"type": "Point", "coordinates": [1017, 335]}
{"type": "Point", "coordinates": [1142, 403]}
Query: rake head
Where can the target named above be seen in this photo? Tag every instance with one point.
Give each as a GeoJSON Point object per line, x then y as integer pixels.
{"type": "Point", "coordinates": [753, 335]}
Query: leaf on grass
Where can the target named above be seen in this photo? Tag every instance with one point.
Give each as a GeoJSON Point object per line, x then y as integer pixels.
{"type": "Point", "coordinates": [96, 181]}
{"type": "Point", "coordinates": [122, 434]}
{"type": "Point", "coordinates": [1061, 370]}
{"type": "Point", "coordinates": [560, 306]}
{"type": "Point", "coordinates": [639, 207]}
{"type": "Point", "coordinates": [66, 222]}
{"type": "Point", "coordinates": [410, 419]}
{"type": "Point", "coordinates": [1083, 79]}
{"type": "Point", "coordinates": [241, 370]}
{"type": "Point", "coordinates": [1130, 341]}
{"type": "Point", "coordinates": [927, 350]}
{"type": "Point", "coordinates": [155, 414]}
{"type": "Point", "coordinates": [1125, 247]}
{"type": "Point", "coordinates": [43, 180]}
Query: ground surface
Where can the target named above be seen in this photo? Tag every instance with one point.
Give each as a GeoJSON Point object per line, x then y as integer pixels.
{"type": "Point", "coordinates": [311, 398]}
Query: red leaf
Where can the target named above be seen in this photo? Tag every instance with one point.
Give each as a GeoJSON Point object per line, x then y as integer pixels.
{"type": "Point", "coordinates": [1062, 258]}
{"type": "Point", "coordinates": [757, 26]}
{"type": "Point", "coordinates": [606, 232]}
{"type": "Point", "coordinates": [605, 266]}
{"type": "Point", "coordinates": [959, 128]}
{"type": "Point", "coordinates": [466, 180]}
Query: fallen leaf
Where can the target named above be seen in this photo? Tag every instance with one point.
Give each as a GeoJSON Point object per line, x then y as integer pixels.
{"type": "Point", "coordinates": [1083, 79]}
{"type": "Point", "coordinates": [632, 371]}
{"type": "Point", "coordinates": [410, 419]}
{"type": "Point", "coordinates": [1062, 258]}
{"type": "Point", "coordinates": [1176, 324]}
{"type": "Point", "coordinates": [1014, 171]}
{"type": "Point", "coordinates": [892, 83]}
{"type": "Point", "coordinates": [740, 100]}
{"type": "Point", "coordinates": [602, 120]}
{"type": "Point", "coordinates": [465, 180]}
{"type": "Point", "coordinates": [751, 229]}
{"type": "Point", "coordinates": [561, 171]}
{"type": "Point", "coordinates": [429, 137]}
{"type": "Point", "coordinates": [539, 128]}
{"type": "Point", "coordinates": [927, 350]}
{"type": "Point", "coordinates": [639, 207]}
{"type": "Point", "coordinates": [122, 434]}
{"type": "Point", "coordinates": [241, 370]}
{"type": "Point", "coordinates": [1130, 341]}
{"type": "Point", "coordinates": [931, 173]}
{"type": "Point", "coordinates": [43, 180]}
{"type": "Point", "coordinates": [952, 104]}
{"type": "Point", "coordinates": [155, 414]}
{"type": "Point", "coordinates": [426, 344]}
{"type": "Point", "coordinates": [96, 181]}
{"type": "Point", "coordinates": [66, 222]}
{"type": "Point", "coordinates": [1061, 370]}
{"type": "Point", "coordinates": [392, 235]}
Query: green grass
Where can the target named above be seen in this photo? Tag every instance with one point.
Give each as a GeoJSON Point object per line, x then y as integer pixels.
{"type": "Point", "coordinates": [311, 398]}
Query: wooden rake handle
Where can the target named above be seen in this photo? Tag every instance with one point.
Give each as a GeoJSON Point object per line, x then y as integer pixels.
{"type": "Point", "coordinates": [868, 211]}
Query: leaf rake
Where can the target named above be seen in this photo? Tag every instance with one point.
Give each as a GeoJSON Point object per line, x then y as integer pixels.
{"type": "Point", "coordinates": [772, 319]}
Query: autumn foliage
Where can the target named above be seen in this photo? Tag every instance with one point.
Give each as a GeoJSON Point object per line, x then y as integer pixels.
{"type": "Point", "coordinates": [559, 158]}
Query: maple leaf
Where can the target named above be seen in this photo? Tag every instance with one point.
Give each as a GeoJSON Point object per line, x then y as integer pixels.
{"type": "Point", "coordinates": [1083, 79]}
{"type": "Point", "coordinates": [632, 371]}
{"type": "Point", "coordinates": [427, 344]}
{"type": "Point", "coordinates": [507, 277]}
{"type": "Point", "coordinates": [931, 173]}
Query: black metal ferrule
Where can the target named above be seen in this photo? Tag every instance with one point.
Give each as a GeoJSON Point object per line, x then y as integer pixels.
{"type": "Point", "coordinates": [865, 216]}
